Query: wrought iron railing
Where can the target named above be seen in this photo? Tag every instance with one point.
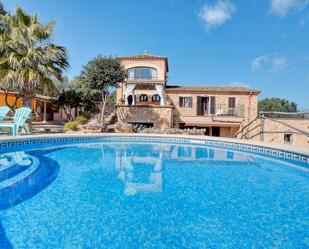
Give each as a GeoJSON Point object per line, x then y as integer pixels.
{"type": "Point", "coordinates": [224, 110]}
{"type": "Point", "coordinates": [142, 78]}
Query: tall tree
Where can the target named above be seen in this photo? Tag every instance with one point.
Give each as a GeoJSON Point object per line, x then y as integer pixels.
{"type": "Point", "coordinates": [100, 75]}
{"type": "Point", "coordinates": [2, 10]}
{"type": "Point", "coordinates": [277, 105]}
{"type": "Point", "coordinates": [68, 100]}
{"type": "Point", "coordinates": [89, 97]}
{"type": "Point", "coordinates": [27, 57]}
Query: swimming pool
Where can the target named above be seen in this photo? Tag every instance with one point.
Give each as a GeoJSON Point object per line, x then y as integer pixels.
{"type": "Point", "coordinates": [151, 192]}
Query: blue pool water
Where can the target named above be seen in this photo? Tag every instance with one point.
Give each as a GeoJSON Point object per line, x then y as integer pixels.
{"type": "Point", "coordinates": [133, 195]}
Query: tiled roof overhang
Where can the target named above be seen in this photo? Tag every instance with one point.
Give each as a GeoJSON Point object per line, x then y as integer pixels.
{"type": "Point", "coordinates": [213, 89]}
{"type": "Point", "coordinates": [145, 57]}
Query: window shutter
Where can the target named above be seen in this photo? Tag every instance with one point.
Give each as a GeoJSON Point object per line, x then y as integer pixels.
{"type": "Point", "coordinates": [199, 110]}
{"type": "Point", "coordinates": [181, 101]}
{"type": "Point", "coordinates": [212, 105]}
{"type": "Point", "coordinates": [232, 102]}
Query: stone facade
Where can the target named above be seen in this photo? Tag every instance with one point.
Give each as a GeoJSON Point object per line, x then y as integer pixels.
{"type": "Point", "coordinates": [280, 131]}
{"type": "Point", "coordinates": [159, 116]}
{"type": "Point", "coordinates": [224, 118]}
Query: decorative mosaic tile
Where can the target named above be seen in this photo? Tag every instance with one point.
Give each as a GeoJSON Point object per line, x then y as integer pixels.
{"type": "Point", "coordinates": [298, 157]}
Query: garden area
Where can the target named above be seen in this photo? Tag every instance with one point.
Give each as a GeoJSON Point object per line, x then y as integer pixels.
{"type": "Point", "coordinates": [31, 64]}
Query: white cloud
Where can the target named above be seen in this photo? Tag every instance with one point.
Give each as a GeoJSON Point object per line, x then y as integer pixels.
{"type": "Point", "coordinates": [282, 8]}
{"type": "Point", "coordinates": [257, 62]}
{"type": "Point", "coordinates": [303, 20]}
{"type": "Point", "coordinates": [217, 14]}
{"type": "Point", "coordinates": [273, 62]}
{"type": "Point", "coordinates": [279, 63]}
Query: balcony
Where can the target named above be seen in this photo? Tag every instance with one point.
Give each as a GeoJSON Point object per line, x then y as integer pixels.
{"type": "Point", "coordinates": [136, 78]}
{"type": "Point", "coordinates": [222, 110]}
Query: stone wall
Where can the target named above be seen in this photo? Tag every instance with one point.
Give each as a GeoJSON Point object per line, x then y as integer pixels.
{"type": "Point", "coordinates": [159, 116]}
{"type": "Point", "coordinates": [274, 131]}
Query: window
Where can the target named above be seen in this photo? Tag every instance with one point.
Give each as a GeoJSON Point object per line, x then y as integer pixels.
{"type": "Point", "coordinates": [142, 73]}
{"type": "Point", "coordinates": [185, 102]}
{"type": "Point", "coordinates": [155, 98]}
{"type": "Point", "coordinates": [288, 138]}
{"type": "Point", "coordinates": [232, 102]}
{"type": "Point", "coordinates": [206, 105]}
{"type": "Point", "coordinates": [143, 98]}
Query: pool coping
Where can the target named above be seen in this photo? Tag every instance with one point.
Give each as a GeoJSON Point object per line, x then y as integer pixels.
{"type": "Point", "coordinates": [289, 152]}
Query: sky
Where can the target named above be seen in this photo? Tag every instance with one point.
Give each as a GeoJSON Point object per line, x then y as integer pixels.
{"type": "Point", "coordinates": [262, 44]}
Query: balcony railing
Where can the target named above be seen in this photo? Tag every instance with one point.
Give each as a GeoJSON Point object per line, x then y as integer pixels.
{"type": "Point", "coordinates": [224, 110]}
{"type": "Point", "coordinates": [142, 78]}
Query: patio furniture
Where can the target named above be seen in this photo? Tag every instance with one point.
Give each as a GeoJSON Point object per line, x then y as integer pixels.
{"type": "Point", "coordinates": [19, 120]}
{"type": "Point", "coordinates": [4, 110]}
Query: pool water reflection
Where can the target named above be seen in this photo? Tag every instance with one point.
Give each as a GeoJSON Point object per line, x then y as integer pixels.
{"type": "Point", "coordinates": [138, 195]}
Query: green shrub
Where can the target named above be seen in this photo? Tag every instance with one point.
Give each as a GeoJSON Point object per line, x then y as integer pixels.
{"type": "Point", "coordinates": [71, 126]}
{"type": "Point", "coordinates": [80, 120]}
{"type": "Point", "coordinates": [86, 114]}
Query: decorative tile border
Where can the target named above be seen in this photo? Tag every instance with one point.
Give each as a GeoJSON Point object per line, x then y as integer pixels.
{"type": "Point", "coordinates": [25, 143]}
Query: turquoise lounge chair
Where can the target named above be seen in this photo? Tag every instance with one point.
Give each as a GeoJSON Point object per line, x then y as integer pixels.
{"type": "Point", "coordinates": [4, 110]}
{"type": "Point", "coordinates": [19, 120]}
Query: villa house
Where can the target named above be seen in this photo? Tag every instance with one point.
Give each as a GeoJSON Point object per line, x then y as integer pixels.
{"type": "Point", "coordinates": [145, 98]}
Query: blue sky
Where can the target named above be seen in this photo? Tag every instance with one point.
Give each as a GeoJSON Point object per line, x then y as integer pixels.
{"type": "Point", "coordinates": [263, 44]}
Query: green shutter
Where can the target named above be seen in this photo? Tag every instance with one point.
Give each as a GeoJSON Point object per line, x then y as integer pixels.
{"type": "Point", "coordinates": [199, 110]}
{"type": "Point", "coordinates": [212, 105]}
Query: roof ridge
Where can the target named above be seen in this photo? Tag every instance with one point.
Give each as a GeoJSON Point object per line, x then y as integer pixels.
{"type": "Point", "coordinates": [212, 88]}
{"type": "Point", "coordinates": [144, 55]}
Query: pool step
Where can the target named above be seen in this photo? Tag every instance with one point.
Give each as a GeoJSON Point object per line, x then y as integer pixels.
{"type": "Point", "coordinates": [11, 171]}
{"type": "Point", "coordinates": [12, 164]}
{"type": "Point", "coordinates": [20, 174]}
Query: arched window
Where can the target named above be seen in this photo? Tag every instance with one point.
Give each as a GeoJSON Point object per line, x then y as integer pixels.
{"type": "Point", "coordinates": [142, 73]}
{"type": "Point", "coordinates": [155, 98]}
{"type": "Point", "coordinates": [143, 98]}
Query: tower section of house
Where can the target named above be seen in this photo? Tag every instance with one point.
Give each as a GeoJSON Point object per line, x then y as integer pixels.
{"type": "Point", "coordinates": [141, 98]}
{"type": "Point", "coordinates": [146, 98]}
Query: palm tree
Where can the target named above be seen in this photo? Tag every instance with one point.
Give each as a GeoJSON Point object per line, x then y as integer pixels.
{"type": "Point", "coordinates": [27, 58]}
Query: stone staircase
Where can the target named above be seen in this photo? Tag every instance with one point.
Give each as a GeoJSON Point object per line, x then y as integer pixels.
{"type": "Point", "coordinates": [110, 114]}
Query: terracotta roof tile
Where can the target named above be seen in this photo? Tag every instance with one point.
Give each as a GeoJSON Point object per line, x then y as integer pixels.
{"type": "Point", "coordinates": [213, 89]}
